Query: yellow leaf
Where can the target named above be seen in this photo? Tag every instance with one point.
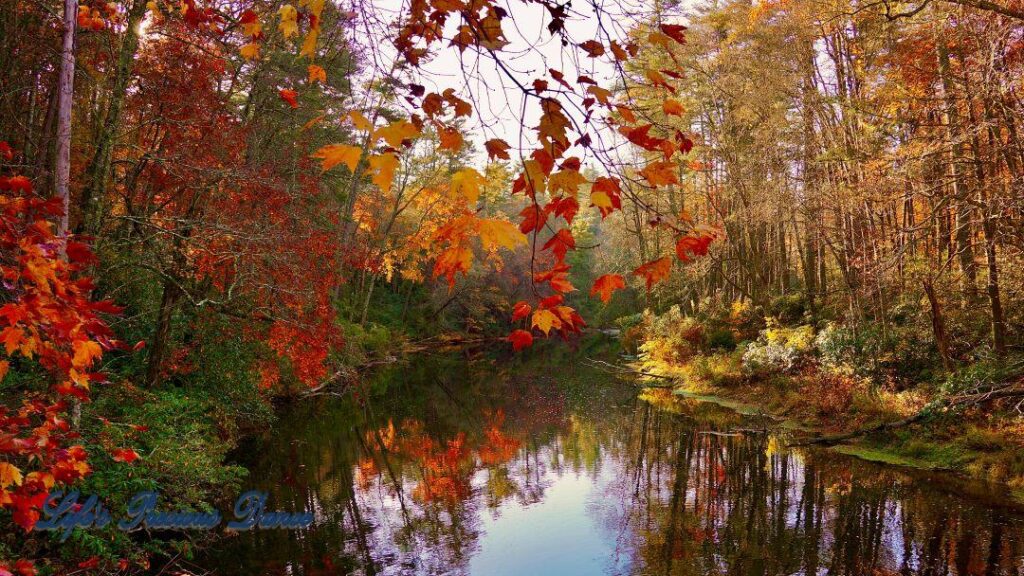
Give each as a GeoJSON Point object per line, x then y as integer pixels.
{"type": "Point", "coordinates": [360, 121]}
{"type": "Point", "coordinates": [536, 179]}
{"type": "Point", "coordinates": [601, 200]}
{"type": "Point", "coordinates": [545, 320]}
{"type": "Point", "coordinates": [317, 74]}
{"type": "Point", "coordinates": [9, 474]}
{"type": "Point", "coordinates": [288, 25]}
{"type": "Point", "coordinates": [334, 154]}
{"type": "Point", "coordinates": [315, 7]}
{"type": "Point", "coordinates": [467, 182]}
{"type": "Point", "coordinates": [250, 51]}
{"type": "Point", "coordinates": [252, 29]}
{"type": "Point", "coordinates": [396, 132]}
{"type": "Point", "coordinates": [500, 233]}
{"type": "Point", "coordinates": [383, 169]}
{"type": "Point", "coordinates": [568, 181]}
{"type": "Point", "coordinates": [309, 44]}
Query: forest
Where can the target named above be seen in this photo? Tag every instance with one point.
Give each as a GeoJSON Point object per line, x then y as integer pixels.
{"type": "Point", "coordinates": [214, 209]}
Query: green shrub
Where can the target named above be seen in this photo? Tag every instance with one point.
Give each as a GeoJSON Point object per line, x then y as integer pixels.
{"type": "Point", "coordinates": [720, 339]}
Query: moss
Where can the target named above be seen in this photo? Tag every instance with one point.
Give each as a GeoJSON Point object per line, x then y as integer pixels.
{"type": "Point", "coordinates": [884, 456]}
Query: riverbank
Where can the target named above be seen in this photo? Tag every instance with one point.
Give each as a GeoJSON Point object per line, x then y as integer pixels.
{"type": "Point", "coordinates": [985, 442]}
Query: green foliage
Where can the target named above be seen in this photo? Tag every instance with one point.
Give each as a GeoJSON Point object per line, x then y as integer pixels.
{"type": "Point", "coordinates": [779, 349]}
{"type": "Point", "coordinates": [983, 374]}
{"type": "Point", "coordinates": [720, 339]}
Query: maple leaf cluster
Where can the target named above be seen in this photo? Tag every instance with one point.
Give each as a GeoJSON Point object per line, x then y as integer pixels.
{"type": "Point", "coordinates": [49, 321]}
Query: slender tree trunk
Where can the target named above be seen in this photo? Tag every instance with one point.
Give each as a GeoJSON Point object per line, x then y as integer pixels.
{"type": "Point", "coordinates": [962, 233]}
{"type": "Point", "coordinates": [65, 94]}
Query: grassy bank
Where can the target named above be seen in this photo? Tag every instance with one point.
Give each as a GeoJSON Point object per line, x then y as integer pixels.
{"type": "Point", "coordinates": [818, 380]}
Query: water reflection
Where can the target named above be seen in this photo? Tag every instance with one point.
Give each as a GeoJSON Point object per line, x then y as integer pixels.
{"type": "Point", "coordinates": [461, 468]}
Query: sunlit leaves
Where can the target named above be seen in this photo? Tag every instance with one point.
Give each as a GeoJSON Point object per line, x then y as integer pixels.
{"type": "Point", "coordinates": [454, 260]}
{"type": "Point", "coordinates": [397, 132]}
{"type": "Point", "coordinates": [334, 154]}
{"type": "Point", "coordinates": [660, 173]}
{"type": "Point", "coordinates": [606, 285]}
{"type": "Point", "coordinates": [605, 195]}
{"type": "Point", "coordinates": [10, 475]}
{"type": "Point", "coordinates": [499, 234]}
{"type": "Point", "coordinates": [288, 25]}
{"type": "Point", "coordinates": [250, 51]}
{"type": "Point", "coordinates": [126, 455]}
{"type": "Point", "coordinates": [520, 310]}
{"type": "Point", "coordinates": [691, 245]}
{"type": "Point", "coordinates": [545, 320]}
{"type": "Point", "coordinates": [467, 183]}
{"type": "Point", "coordinates": [359, 121]}
{"type": "Point", "coordinates": [566, 182]}
{"type": "Point", "coordinates": [382, 168]}
{"type": "Point", "coordinates": [450, 138]}
{"type": "Point", "coordinates": [534, 218]}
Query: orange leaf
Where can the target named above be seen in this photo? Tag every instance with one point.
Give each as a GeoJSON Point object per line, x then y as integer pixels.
{"type": "Point", "coordinates": [450, 139]}
{"type": "Point", "coordinates": [497, 148]}
{"type": "Point", "coordinates": [289, 96]}
{"type": "Point", "coordinates": [316, 74]}
{"type": "Point", "coordinates": [661, 173]}
{"type": "Point", "coordinates": [606, 285]}
{"type": "Point", "coordinates": [672, 107]}
{"type": "Point", "coordinates": [334, 154]}
{"type": "Point", "coordinates": [655, 271]}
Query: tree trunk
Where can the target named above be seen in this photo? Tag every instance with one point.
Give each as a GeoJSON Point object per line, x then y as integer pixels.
{"type": "Point", "coordinates": [161, 335]}
{"type": "Point", "coordinates": [65, 94]}
{"type": "Point", "coordinates": [938, 325]}
{"type": "Point", "coordinates": [99, 167]}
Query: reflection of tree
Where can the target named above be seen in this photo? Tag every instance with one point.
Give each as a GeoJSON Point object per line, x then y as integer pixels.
{"type": "Point", "coordinates": [401, 484]}
{"type": "Point", "coordinates": [710, 503]}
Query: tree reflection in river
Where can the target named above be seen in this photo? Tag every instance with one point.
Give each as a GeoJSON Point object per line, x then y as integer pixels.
{"type": "Point", "coordinates": [458, 469]}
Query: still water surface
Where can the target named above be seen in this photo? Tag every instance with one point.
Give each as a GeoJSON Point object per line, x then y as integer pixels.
{"type": "Point", "coordinates": [545, 466]}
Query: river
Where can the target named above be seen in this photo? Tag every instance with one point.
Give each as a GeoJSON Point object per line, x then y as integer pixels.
{"type": "Point", "coordinates": [540, 465]}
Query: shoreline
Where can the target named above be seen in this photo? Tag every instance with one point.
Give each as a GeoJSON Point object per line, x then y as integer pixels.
{"type": "Point", "coordinates": [952, 452]}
